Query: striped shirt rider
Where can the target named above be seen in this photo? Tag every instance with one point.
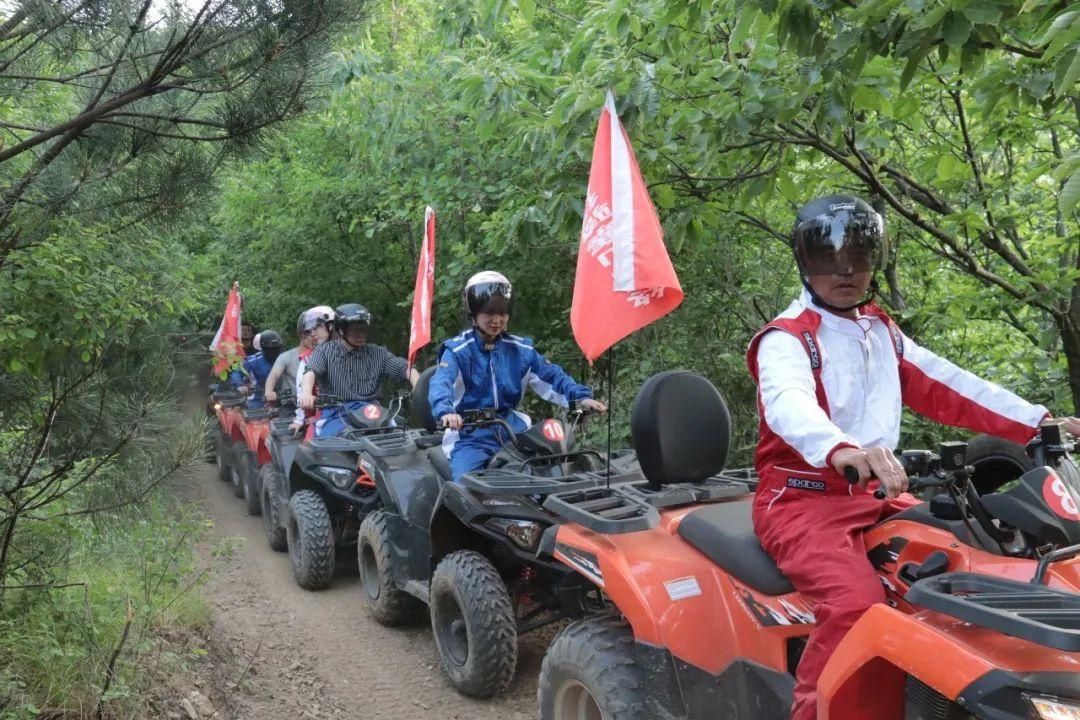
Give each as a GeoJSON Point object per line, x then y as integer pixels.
{"type": "Point", "coordinates": [354, 374]}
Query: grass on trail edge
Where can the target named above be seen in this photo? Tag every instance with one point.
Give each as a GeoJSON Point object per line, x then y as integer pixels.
{"type": "Point", "coordinates": [117, 617]}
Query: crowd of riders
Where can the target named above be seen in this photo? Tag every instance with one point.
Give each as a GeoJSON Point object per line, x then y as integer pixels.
{"type": "Point", "coordinates": [483, 367]}
{"type": "Point", "coordinates": [833, 373]}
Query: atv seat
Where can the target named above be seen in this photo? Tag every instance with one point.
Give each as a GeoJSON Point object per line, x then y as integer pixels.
{"type": "Point", "coordinates": [419, 405]}
{"type": "Point", "coordinates": [441, 463]}
{"type": "Point", "coordinates": [725, 534]}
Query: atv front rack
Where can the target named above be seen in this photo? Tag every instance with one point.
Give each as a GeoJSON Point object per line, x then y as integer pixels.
{"type": "Point", "coordinates": [1031, 612]}
{"type": "Point", "coordinates": [504, 481]}
{"type": "Point", "coordinates": [281, 426]}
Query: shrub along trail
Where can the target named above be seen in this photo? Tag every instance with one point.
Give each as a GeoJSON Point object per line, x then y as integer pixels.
{"type": "Point", "coordinates": [320, 655]}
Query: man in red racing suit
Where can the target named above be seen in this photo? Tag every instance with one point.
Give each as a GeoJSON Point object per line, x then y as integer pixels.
{"type": "Point", "coordinates": [833, 371]}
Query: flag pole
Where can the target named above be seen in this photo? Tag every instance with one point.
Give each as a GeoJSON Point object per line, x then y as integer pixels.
{"type": "Point", "coordinates": [610, 409]}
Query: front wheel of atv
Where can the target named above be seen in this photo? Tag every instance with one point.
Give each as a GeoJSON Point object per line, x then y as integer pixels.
{"type": "Point", "coordinates": [589, 673]}
{"type": "Point", "coordinates": [222, 446]}
{"type": "Point", "coordinates": [311, 541]}
{"type": "Point", "coordinates": [474, 625]}
{"type": "Point", "coordinates": [389, 604]}
{"type": "Point", "coordinates": [239, 467]}
{"type": "Point", "coordinates": [269, 488]}
{"type": "Point", "coordinates": [252, 485]}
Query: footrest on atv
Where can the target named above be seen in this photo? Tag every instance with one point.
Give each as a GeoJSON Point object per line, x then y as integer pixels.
{"type": "Point", "coordinates": [1030, 612]}
{"type": "Point", "coordinates": [501, 481]}
{"type": "Point", "coordinates": [608, 510]}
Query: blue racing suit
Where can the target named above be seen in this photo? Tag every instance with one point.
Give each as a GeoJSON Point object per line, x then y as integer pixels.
{"type": "Point", "coordinates": [475, 376]}
{"type": "Point", "coordinates": [255, 369]}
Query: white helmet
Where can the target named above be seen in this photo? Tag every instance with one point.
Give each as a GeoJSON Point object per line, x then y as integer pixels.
{"type": "Point", "coordinates": [482, 287]}
{"type": "Point", "coordinates": [256, 344]}
{"type": "Point", "coordinates": [319, 314]}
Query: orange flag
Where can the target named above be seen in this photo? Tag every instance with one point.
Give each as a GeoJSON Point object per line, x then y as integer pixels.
{"type": "Point", "coordinates": [624, 278]}
{"type": "Point", "coordinates": [226, 344]}
{"type": "Point", "coordinates": [420, 331]}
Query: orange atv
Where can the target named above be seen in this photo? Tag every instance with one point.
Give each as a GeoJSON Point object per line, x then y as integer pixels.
{"type": "Point", "coordinates": [228, 406]}
{"type": "Point", "coordinates": [982, 617]}
{"type": "Point", "coordinates": [254, 457]}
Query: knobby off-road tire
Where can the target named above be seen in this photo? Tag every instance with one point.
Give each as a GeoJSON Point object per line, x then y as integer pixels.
{"type": "Point", "coordinates": [222, 446]}
{"type": "Point", "coordinates": [589, 673]}
{"type": "Point", "coordinates": [389, 604]}
{"type": "Point", "coordinates": [252, 485]}
{"type": "Point", "coordinates": [311, 541]}
{"type": "Point", "coordinates": [474, 625]}
{"type": "Point", "coordinates": [269, 487]}
{"type": "Point", "coordinates": [239, 467]}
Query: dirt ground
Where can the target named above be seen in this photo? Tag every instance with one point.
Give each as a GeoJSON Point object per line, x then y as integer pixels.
{"type": "Point", "coordinates": [279, 652]}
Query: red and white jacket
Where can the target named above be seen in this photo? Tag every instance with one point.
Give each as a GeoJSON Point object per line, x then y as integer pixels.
{"type": "Point", "coordinates": [827, 382]}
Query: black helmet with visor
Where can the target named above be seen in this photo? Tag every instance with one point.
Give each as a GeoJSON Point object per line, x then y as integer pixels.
{"type": "Point", "coordinates": [838, 235]}
{"type": "Point", "coordinates": [350, 316]}
{"type": "Point", "coordinates": [271, 343]}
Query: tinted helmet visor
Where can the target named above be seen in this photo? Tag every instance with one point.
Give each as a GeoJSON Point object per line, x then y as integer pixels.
{"type": "Point", "coordinates": [491, 298]}
{"type": "Point", "coordinates": [840, 243]}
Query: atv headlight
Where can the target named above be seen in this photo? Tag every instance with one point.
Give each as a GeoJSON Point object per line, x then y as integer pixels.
{"type": "Point", "coordinates": [525, 533]}
{"type": "Point", "coordinates": [1052, 708]}
{"type": "Point", "coordinates": [340, 477]}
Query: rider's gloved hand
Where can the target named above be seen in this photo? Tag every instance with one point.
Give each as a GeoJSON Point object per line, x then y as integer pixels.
{"type": "Point", "coordinates": [451, 421]}
{"type": "Point", "coordinates": [307, 401]}
{"type": "Point", "coordinates": [594, 405]}
{"type": "Point", "coordinates": [874, 462]}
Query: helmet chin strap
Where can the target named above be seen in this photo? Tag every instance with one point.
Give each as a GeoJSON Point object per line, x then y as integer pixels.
{"type": "Point", "coordinates": [820, 302]}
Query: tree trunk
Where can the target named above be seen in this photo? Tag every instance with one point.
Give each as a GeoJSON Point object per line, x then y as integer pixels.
{"type": "Point", "coordinates": [1070, 342]}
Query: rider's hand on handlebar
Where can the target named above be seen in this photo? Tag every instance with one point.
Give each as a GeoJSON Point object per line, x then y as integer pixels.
{"type": "Point", "coordinates": [307, 401]}
{"type": "Point", "coordinates": [593, 405]}
{"type": "Point", "coordinates": [271, 396]}
{"type": "Point", "coordinates": [1071, 425]}
{"type": "Point", "coordinates": [243, 390]}
{"type": "Point", "coordinates": [452, 421]}
{"type": "Point", "coordinates": [876, 462]}
{"type": "Point", "coordinates": [294, 427]}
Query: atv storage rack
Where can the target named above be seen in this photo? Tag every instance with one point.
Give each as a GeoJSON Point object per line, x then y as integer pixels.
{"type": "Point", "coordinates": [628, 504]}
{"type": "Point", "coordinates": [1023, 610]}
{"type": "Point", "coordinates": [504, 481]}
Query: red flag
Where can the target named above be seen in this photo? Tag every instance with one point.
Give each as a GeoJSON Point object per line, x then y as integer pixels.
{"type": "Point", "coordinates": [624, 279]}
{"type": "Point", "coordinates": [226, 344]}
{"type": "Point", "coordinates": [420, 331]}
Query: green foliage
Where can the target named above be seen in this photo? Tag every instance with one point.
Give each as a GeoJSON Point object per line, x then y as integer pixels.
{"type": "Point", "coordinates": [56, 643]}
{"type": "Point", "coordinates": [949, 115]}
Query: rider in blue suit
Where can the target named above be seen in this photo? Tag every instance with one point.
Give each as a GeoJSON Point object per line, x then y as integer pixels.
{"type": "Point", "coordinates": [486, 367]}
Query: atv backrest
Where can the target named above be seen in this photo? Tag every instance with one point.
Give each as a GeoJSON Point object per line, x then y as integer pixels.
{"type": "Point", "coordinates": [681, 428]}
{"type": "Point", "coordinates": [420, 407]}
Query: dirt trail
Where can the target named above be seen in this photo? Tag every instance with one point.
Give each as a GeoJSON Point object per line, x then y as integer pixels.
{"type": "Point", "coordinates": [319, 655]}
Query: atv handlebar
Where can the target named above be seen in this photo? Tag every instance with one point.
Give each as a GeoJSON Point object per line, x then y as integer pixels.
{"type": "Point", "coordinates": [926, 469]}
